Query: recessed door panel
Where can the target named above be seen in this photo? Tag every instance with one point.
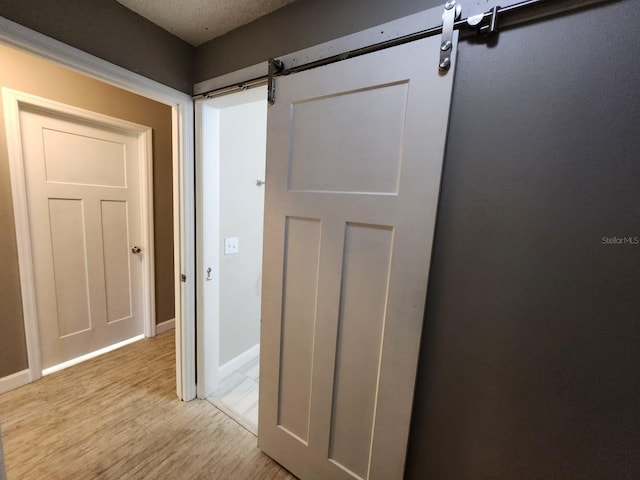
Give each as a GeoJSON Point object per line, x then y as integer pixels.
{"type": "Point", "coordinates": [334, 156]}
{"type": "Point", "coordinates": [69, 252]}
{"type": "Point", "coordinates": [299, 297]}
{"type": "Point", "coordinates": [363, 301]}
{"type": "Point", "coordinates": [77, 159]}
{"type": "Point", "coordinates": [117, 275]}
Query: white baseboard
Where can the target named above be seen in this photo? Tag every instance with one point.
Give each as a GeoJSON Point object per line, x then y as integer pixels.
{"type": "Point", "coordinates": [14, 380]}
{"type": "Point", "coordinates": [165, 326]}
{"type": "Point", "coordinates": [235, 363]}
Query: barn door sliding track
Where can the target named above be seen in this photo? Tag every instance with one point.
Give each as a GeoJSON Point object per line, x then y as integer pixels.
{"type": "Point", "coordinates": [485, 24]}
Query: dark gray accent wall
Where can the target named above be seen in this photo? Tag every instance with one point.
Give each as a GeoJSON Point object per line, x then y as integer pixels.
{"type": "Point", "coordinates": [299, 25]}
{"type": "Point", "coordinates": [108, 30]}
{"type": "Point", "coordinates": [531, 348]}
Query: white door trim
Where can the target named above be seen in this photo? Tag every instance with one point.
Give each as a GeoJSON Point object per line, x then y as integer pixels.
{"type": "Point", "coordinates": [181, 104]}
{"type": "Point", "coordinates": [208, 347]}
{"type": "Point", "coordinates": [13, 101]}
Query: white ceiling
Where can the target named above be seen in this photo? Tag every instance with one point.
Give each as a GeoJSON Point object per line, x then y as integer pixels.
{"type": "Point", "coordinates": [196, 21]}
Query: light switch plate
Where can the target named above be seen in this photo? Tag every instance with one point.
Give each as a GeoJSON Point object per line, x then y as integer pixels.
{"type": "Point", "coordinates": [230, 245]}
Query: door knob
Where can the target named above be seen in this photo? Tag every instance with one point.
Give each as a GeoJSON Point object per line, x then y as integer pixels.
{"type": "Point", "coordinates": [136, 249]}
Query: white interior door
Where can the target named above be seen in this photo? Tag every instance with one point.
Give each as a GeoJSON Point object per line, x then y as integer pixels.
{"type": "Point", "coordinates": [354, 159]}
{"type": "Point", "coordinates": [83, 195]}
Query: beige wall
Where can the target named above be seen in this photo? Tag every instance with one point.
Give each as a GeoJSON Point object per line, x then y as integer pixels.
{"type": "Point", "coordinates": [24, 72]}
{"type": "Point", "coordinates": [243, 146]}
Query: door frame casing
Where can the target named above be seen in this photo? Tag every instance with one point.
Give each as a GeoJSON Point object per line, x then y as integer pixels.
{"type": "Point", "coordinates": [181, 104]}
{"type": "Point", "coordinates": [13, 102]}
{"type": "Point", "coordinates": [207, 350]}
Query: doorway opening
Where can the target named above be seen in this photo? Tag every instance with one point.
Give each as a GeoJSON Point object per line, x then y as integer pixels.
{"type": "Point", "coordinates": [231, 151]}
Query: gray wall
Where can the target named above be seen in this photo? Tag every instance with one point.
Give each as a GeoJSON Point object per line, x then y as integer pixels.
{"type": "Point", "coordinates": [531, 347]}
{"type": "Point", "coordinates": [109, 31]}
{"type": "Point", "coordinates": [299, 25]}
{"type": "Point", "coordinates": [529, 363]}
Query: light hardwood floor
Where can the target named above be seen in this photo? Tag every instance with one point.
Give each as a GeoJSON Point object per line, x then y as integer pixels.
{"type": "Point", "coordinates": [238, 395]}
{"type": "Point", "coordinates": [117, 417]}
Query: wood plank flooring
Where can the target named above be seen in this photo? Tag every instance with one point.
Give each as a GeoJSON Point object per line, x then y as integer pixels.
{"type": "Point", "coordinates": [117, 417]}
{"type": "Point", "coordinates": [238, 395]}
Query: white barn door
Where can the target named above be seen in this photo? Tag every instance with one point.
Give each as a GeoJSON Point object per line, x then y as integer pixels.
{"type": "Point", "coordinates": [83, 193]}
{"type": "Point", "coordinates": [354, 160]}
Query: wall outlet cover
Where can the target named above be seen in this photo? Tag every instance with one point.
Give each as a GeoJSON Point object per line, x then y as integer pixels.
{"type": "Point", "coordinates": [230, 245]}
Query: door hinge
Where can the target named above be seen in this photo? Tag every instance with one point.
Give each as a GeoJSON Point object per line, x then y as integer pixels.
{"type": "Point", "coordinates": [275, 66]}
{"type": "Point", "coordinates": [452, 11]}
{"type": "Point", "coordinates": [183, 278]}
